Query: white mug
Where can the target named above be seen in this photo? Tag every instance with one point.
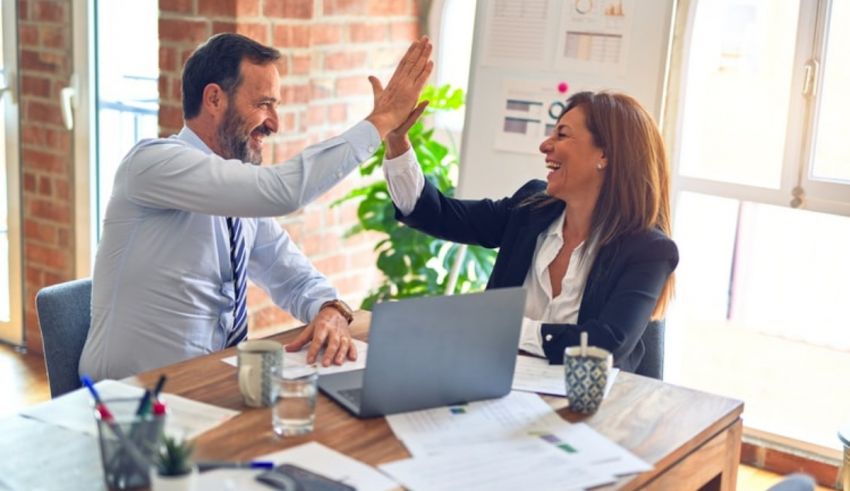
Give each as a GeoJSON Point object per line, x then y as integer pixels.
{"type": "Point", "coordinates": [259, 361]}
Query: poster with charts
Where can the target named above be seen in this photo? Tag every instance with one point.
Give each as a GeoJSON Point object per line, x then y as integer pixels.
{"type": "Point", "coordinates": [516, 33]}
{"type": "Point", "coordinates": [528, 114]}
{"type": "Point", "coordinates": [593, 36]}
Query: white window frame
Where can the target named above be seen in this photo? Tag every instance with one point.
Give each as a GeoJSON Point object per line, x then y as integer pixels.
{"type": "Point", "coordinates": [82, 86]}
{"type": "Point", "coordinates": [818, 195]}
{"type": "Point", "coordinates": [12, 331]}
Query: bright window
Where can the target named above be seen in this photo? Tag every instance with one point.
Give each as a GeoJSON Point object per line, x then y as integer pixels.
{"type": "Point", "coordinates": [762, 213]}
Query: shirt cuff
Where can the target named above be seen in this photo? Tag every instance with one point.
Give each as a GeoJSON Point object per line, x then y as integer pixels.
{"type": "Point", "coordinates": [529, 339]}
{"type": "Point", "coordinates": [401, 164]}
{"type": "Point", "coordinates": [364, 139]}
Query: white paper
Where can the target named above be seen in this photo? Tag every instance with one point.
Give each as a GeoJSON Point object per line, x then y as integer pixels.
{"type": "Point", "coordinates": [295, 364]}
{"type": "Point", "coordinates": [517, 416]}
{"type": "Point", "coordinates": [74, 410]}
{"type": "Point", "coordinates": [534, 374]}
{"type": "Point", "coordinates": [311, 456]}
{"type": "Point", "coordinates": [516, 33]}
{"type": "Point", "coordinates": [593, 36]}
{"type": "Point", "coordinates": [539, 468]}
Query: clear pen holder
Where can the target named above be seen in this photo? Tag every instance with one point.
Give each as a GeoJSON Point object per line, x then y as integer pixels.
{"type": "Point", "coordinates": [128, 443]}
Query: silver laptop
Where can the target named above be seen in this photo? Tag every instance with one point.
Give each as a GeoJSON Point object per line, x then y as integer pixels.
{"type": "Point", "coordinates": [435, 351]}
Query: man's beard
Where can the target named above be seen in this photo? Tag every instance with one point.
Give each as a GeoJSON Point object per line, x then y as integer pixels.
{"type": "Point", "coordinates": [234, 139]}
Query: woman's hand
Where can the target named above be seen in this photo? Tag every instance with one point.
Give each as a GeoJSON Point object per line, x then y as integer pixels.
{"type": "Point", "coordinates": [396, 140]}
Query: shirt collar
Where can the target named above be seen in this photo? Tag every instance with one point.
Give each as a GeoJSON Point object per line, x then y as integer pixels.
{"type": "Point", "coordinates": [187, 135]}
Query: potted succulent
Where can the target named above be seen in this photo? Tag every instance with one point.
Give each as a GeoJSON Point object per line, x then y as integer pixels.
{"type": "Point", "coordinates": [173, 468]}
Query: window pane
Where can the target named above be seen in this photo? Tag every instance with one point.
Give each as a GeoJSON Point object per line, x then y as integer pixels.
{"type": "Point", "coordinates": [127, 85]}
{"type": "Point", "coordinates": [737, 91]}
{"type": "Point", "coordinates": [455, 50]}
{"type": "Point", "coordinates": [5, 260]}
{"type": "Point", "coordinates": [831, 151]}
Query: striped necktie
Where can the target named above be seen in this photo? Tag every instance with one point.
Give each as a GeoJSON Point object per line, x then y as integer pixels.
{"type": "Point", "coordinates": [240, 282]}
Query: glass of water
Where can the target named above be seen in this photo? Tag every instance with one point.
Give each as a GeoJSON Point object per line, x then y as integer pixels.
{"type": "Point", "coordinates": [294, 409]}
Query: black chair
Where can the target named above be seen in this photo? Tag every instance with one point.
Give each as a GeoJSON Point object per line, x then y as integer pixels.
{"type": "Point", "coordinates": [652, 364]}
{"type": "Point", "coordinates": [64, 317]}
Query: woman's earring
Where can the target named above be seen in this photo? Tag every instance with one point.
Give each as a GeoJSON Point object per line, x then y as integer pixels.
{"type": "Point", "coordinates": [599, 166]}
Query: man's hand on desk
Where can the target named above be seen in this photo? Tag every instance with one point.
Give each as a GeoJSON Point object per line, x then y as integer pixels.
{"type": "Point", "coordinates": [328, 329]}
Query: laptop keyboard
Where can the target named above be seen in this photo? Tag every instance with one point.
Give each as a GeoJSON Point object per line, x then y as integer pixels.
{"type": "Point", "coordinates": [352, 395]}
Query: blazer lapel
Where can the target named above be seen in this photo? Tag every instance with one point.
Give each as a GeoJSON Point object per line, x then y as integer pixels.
{"type": "Point", "coordinates": [513, 268]}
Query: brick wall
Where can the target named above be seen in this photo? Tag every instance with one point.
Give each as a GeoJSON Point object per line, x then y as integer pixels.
{"type": "Point", "coordinates": [329, 48]}
{"type": "Point", "coordinates": [46, 152]}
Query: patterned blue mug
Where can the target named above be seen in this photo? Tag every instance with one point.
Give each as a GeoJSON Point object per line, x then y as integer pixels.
{"type": "Point", "coordinates": [586, 376]}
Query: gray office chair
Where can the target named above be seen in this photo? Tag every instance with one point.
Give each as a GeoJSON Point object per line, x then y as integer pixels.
{"type": "Point", "coordinates": [652, 364]}
{"type": "Point", "coordinates": [794, 482]}
{"type": "Point", "coordinates": [64, 316]}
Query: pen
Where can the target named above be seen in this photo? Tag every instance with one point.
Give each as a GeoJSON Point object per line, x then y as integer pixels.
{"type": "Point", "coordinates": [158, 387]}
{"type": "Point", "coordinates": [206, 465]}
{"type": "Point", "coordinates": [144, 403]}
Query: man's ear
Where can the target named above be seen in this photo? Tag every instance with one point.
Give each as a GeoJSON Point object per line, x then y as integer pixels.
{"type": "Point", "coordinates": [214, 99]}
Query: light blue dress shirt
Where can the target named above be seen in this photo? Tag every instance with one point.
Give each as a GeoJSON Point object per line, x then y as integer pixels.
{"type": "Point", "coordinates": [163, 281]}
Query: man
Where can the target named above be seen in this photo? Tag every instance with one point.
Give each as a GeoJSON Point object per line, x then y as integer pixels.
{"type": "Point", "coordinates": [187, 221]}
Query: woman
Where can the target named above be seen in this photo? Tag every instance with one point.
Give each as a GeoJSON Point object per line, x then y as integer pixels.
{"type": "Point", "coordinates": [591, 244]}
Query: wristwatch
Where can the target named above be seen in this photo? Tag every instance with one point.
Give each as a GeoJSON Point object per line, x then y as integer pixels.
{"type": "Point", "coordinates": [340, 307]}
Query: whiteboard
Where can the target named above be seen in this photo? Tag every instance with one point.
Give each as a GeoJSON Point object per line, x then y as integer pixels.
{"type": "Point", "coordinates": [529, 54]}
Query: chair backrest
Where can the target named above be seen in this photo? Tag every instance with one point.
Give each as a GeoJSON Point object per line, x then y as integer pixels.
{"type": "Point", "coordinates": [652, 364]}
{"type": "Point", "coordinates": [64, 316]}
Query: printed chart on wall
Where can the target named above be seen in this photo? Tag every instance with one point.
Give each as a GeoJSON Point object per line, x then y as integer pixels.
{"type": "Point", "coordinates": [530, 56]}
{"type": "Point", "coordinates": [594, 35]}
{"type": "Point", "coordinates": [530, 111]}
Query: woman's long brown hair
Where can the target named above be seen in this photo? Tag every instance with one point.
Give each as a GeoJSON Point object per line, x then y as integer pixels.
{"type": "Point", "coordinates": [635, 194]}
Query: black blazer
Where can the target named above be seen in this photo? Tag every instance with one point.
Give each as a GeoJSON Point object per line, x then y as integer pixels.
{"type": "Point", "coordinates": [622, 287]}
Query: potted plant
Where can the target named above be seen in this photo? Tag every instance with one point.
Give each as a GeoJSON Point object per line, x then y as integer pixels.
{"type": "Point", "coordinates": [415, 264]}
{"type": "Point", "coordinates": [173, 467]}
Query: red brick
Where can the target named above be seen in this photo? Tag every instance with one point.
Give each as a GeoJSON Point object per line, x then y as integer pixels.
{"type": "Point", "coordinates": [348, 86]}
{"type": "Point", "coordinates": [54, 37]}
{"type": "Point", "coordinates": [24, 10]}
{"type": "Point", "coordinates": [28, 36]}
{"type": "Point", "coordinates": [48, 210]}
{"type": "Point", "coordinates": [343, 7]}
{"type": "Point", "coordinates": [191, 31]}
{"type": "Point", "coordinates": [177, 6]}
{"type": "Point", "coordinates": [404, 31]}
{"type": "Point", "coordinates": [29, 181]}
{"type": "Point", "coordinates": [170, 119]}
{"type": "Point", "coordinates": [321, 88]}
{"type": "Point", "coordinates": [330, 265]}
{"type": "Point", "coordinates": [388, 7]}
{"type": "Point", "coordinates": [33, 275]}
{"type": "Point", "coordinates": [40, 231]}
{"type": "Point", "coordinates": [44, 186]}
{"type": "Point", "coordinates": [316, 115]}
{"type": "Point", "coordinates": [49, 257]}
{"type": "Point", "coordinates": [325, 34]}
{"type": "Point", "coordinates": [345, 60]}
{"type": "Point", "coordinates": [35, 86]}
{"type": "Point", "coordinates": [367, 33]}
{"type": "Point", "coordinates": [42, 112]}
{"type": "Point", "coordinates": [176, 90]}
{"type": "Point", "coordinates": [41, 62]}
{"type": "Point", "coordinates": [289, 9]}
{"type": "Point", "coordinates": [286, 36]}
{"type": "Point", "coordinates": [295, 94]}
{"type": "Point", "coordinates": [217, 8]}
{"type": "Point", "coordinates": [287, 122]}
{"type": "Point", "coordinates": [337, 113]}
{"type": "Point", "coordinates": [62, 189]}
{"type": "Point", "coordinates": [43, 161]}
{"type": "Point", "coordinates": [49, 11]}
{"type": "Point", "coordinates": [301, 64]}
{"type": "Point", "coordinates": [167, 59]}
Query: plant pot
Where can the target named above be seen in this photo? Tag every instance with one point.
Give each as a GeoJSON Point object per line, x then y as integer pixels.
{"type": "Point", "coordinates": [186, 482]}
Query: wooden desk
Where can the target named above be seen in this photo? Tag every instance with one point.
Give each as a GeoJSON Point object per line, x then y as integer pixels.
{"type": "Point", "coordinates": [692, 438]}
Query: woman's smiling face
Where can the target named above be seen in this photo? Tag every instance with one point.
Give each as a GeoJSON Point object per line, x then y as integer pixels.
{"type": "Point", "coordinates": [573, 158]}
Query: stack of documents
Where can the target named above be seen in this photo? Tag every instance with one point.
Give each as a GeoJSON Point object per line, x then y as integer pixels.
{"type": "Point", "coordinates": [295, 364]}
{"type": "Point", "coordinates": [534, 374]}
{"type": "Point", "coordinates": [516, 442]}
{"type": "Point", "coordinates": [74, 410]}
